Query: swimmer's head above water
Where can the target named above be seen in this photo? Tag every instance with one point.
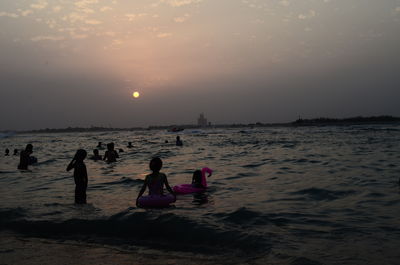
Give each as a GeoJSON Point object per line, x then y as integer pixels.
{"type": "Point", "coordinates": [110, 146]}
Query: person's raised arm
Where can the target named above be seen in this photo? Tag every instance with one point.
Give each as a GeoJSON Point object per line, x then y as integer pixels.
{"type": "Point", "coordinates": [71, 165]}
{"type": "Point", "coordinates": [168, 187]}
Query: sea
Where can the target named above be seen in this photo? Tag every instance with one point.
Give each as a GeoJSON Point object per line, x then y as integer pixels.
{"type": "Point", "coordinates": [278, 195]}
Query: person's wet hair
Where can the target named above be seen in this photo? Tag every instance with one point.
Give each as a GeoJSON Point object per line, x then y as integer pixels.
{"type": "Point", "coordinates": [155, 164]}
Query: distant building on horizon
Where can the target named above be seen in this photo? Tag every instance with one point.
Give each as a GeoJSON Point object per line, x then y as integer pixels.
{"type": "Point", "coordinates": [202, 121]}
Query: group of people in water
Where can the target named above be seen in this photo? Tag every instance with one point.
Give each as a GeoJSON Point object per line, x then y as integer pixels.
{"type": "Point", "coordinates": [7, 152]}
{"type": "Point", "coordinates": [154, 181]}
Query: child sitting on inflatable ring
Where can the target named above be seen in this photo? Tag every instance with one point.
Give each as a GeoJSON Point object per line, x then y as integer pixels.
{"type": "Point", "coordinates": [155, 181]}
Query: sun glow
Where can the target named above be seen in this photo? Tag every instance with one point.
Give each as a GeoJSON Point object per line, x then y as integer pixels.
{"type": "Point", "coordinates": [135, 94]}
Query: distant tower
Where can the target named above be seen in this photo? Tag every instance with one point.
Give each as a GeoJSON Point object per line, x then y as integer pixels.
{"type": "Point", "coordinates": [202, 121]}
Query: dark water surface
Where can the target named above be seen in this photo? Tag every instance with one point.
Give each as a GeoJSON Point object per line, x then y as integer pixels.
{"type": "Point", "coordinates": [315, 195]}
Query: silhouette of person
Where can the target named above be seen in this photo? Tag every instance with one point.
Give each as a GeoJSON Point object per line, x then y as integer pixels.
{"type": "Point", "coordinates": [130, 145]}
{"type": "Point", "coordinates": [96, 155]}
{"type": "Point", "coordinates": [110, 155]}
{"type": "Point", "coordinates": [15, 152]}
{"type": "Point", "coordinates": [179, 141]}
{"type": "Point", "coordinates": [80, 176]}
{"type": "Point", "coordinates": [197, 179]}
{"type": "Point", "coordinates": [7, 153]}
{"type": "Point", "coordinates": [155, 181]}
{"type": "Point", "coordinates": [24, 157]}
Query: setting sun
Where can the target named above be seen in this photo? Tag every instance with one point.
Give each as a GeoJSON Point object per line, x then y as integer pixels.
{"type": "Point", "coordinates": [136, 94]}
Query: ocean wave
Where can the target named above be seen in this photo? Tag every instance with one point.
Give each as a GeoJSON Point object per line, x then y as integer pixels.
{"type": "Point", "coordinates": [242, 175]}
{"type": "Point", "coordinates": [7, 172]}
{"type": "Point", "coordinates": [254, 165]}
{"type": "Point", "coordinates": [123, 181]}
{"type": "Point", "coordinates": [165, 230]}
{"type": "Point", "coordinates": [323, 194]}
{"type": "Point", "coordinates": [46, 162]}
{"type": "Point", "coordinates": [247, 218]}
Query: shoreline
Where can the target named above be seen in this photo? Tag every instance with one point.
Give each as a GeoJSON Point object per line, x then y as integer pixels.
{"type": "Point", "coordinates": [18, 249]}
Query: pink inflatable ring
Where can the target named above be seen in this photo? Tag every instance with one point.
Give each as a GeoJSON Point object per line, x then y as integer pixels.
{"type": "Point", "coordinates": [188, 188]}
{"type": "Point", "coordinates": [156, 201]}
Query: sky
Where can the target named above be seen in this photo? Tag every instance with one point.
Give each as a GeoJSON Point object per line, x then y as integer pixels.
{"type": "Point", "coordinates": [76, 63]}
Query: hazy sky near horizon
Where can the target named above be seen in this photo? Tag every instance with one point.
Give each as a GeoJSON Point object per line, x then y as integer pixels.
{"type": "Point", "coordinates": [77, 63]}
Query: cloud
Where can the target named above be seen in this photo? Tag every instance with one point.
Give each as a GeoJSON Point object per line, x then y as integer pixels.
{"type": "Point", "coordinates": [164, 35]}
{"type": "Point", "coordinates": [40, 4]}
{"type": "Point", "coordinates": [57, 8]}
{"type": "Point", "coordinates": [284, 3]}
{"type": "Point", "coordinates": [51, 23]}
{"type": "Point", "coordinates": [84, 3]}
{"type": "Point", "coordinates": [131, 17]}
{"type": "Point", "coordinates": [86, 10]}
{"type": "Point", "coordinates": [66, 29]}
{"type": "Point", "coordinates": [105, 8]}
{"type": "Point", "coordinates": [181, 19]}
{"type": "Point", "coordinates": [179, 3]}
{"type": "Point", "coordinates": [5, 14]}
{"type": "Point", "coordinates": [78, 36]}
{"type": "Point", "coordinates": [48, 37]}
{"type": "Point", "coordinates": [74, 17]}
{"type": "Point", "coordinates": [309, 15]}
{"type": "Point", "coordinates": [24, 13]}
{"type": "Point", "coordinates": [107, 33]}
{"type": "Point", "coordinates": [93, 21]}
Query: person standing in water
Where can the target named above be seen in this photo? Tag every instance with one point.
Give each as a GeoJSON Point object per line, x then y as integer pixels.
{"type": "Point", "coordinates": [80, 176]}
{"type": "Point", "coordinates": [110, 155]}
{"type": "Point", "coordinates": [179, 141]}
{"type": "Point", "coordinates": [155, 181]}
{"type": "Point", "coordinates": [24, 157]}
{"type": "Point", "coordinates": [7, 153]}
{"type": "Point", "coordinates": [15, 152]}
